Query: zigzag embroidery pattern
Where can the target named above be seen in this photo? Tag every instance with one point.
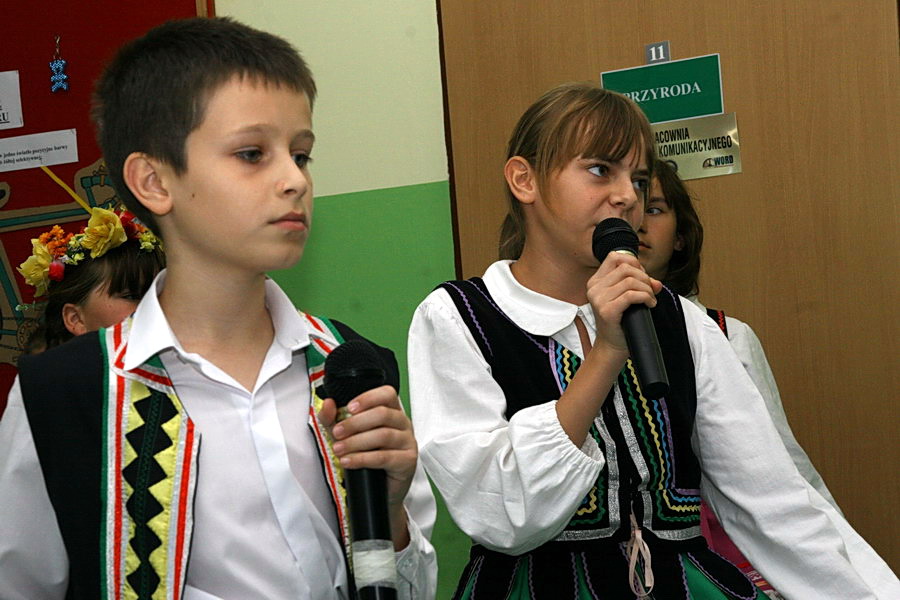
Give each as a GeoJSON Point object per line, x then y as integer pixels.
{"type": "Point", "coordinates": [684, 503]}
{"type": "Point", "coordinates": [592, 508]}
{"type": "Point", "coordinates": [148, 473]}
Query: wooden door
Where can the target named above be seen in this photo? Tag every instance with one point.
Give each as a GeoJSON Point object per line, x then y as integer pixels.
{"type": "Point", "coordinates": [802, 245]}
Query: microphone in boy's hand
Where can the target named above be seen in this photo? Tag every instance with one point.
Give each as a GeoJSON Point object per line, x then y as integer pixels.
{"type": "Point", "coordinates": [616, 235]}
{"type": "Point", "coordinates": [351, 369]}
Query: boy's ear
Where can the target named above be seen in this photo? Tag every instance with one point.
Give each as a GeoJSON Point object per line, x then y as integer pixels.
{"type": "Point", "coordinates": [144, 176]}
{"type": "Point", "coordinates": [72, 319]}
{"type": "Point", "coordinates": [521, 179]}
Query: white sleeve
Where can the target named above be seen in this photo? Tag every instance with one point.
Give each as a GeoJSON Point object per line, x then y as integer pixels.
{"type": "Point", "coordinates": [510, 485]}
{"type": "Point", "coordinates": [751, 354]}
{"type": "Point", "coordinates": [752, 484]}
{"type": "Point", "coordinates": [33, 560]}
{"type": "Point", "coordinates": [417, 563]}
{"type": "Point", "coordinates": [871, 567]}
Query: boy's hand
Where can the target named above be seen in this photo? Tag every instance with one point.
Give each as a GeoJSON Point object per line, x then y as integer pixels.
{"type": "Point", "coordinates": [378, 435]}
{"type": "Point", "coordinates": [618, 283]}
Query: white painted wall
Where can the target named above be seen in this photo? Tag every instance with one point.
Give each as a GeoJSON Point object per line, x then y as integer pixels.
{"type": "Point", "coordinates": [378, 119]}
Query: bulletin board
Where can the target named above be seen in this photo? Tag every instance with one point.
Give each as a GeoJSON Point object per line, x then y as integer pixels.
{"type": "Point", "coordinates": [30, 201]}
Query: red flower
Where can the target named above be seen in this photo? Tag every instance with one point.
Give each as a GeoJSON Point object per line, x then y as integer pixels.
{"type": "Point", "coordinates": [56, 270]}
{"type": "Point", "coordinates": [128, 224]}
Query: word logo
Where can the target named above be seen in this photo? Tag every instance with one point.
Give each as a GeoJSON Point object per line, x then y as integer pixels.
{"type": "Point", "coordinates": [718, 161]}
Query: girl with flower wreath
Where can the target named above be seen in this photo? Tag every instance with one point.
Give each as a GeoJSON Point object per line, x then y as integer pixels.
{"type": "Point", "coordinates": [90, 279]}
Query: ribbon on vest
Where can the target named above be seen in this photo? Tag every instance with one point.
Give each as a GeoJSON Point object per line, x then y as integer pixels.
{"type": "Point", "coordinates": [324, 338]}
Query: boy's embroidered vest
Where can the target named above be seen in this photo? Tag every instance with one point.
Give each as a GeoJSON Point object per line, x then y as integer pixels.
{"type": "Point", "coordinates": [119, 457]}
{"type": "Point", "coordinates": [650, 467]}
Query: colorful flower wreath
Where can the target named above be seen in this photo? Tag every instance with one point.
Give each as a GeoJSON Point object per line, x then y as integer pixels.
{"type": "Point", "coordinates": [53, 250]}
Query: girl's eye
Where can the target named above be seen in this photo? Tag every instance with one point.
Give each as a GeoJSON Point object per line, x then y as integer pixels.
{"type": "Point", "coordinates": [252, 155]}
{"type": "Point", "coordinates": [599, 170]}
{"type": "Point", "coordinates": [302, 159]}
{"type": "Point", "coordinates": [654, 210]}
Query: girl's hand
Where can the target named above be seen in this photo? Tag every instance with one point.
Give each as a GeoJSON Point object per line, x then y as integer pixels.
{"type": "Point", "coordinates": [378, 435]}
{"type": "Point", "coordinates": [618, 283]}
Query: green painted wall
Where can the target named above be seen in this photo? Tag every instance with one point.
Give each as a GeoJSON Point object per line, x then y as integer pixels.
{"type": "Point", "coordinates": [372, 257]}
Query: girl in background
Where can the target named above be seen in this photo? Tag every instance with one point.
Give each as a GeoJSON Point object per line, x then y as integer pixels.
{"type": "Point", "coordinates": [92, 279]}
{"type": "Point", "coordinates": [671, 240]}
{"type": "Point", "coordinates": [530, 422]}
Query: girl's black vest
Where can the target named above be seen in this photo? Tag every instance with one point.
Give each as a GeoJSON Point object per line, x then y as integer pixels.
{"type": "Point", "coordinates": [650, 471]}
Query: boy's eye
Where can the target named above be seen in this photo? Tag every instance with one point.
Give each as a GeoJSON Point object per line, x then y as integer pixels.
{"type": "Point", "coordinates": [598, 170]}
{"type": "Point", "coordinates": [130, 296]}
{"type": "Point", "coordinates": [251, 156]}
{"type": "Point", "coordinates": [302, 159]}
{"type": "Point", "coordinates": [641, 185]}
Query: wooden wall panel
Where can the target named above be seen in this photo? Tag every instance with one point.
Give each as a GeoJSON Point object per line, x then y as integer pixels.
{"type": "Point", "coordinates": [802, 245]}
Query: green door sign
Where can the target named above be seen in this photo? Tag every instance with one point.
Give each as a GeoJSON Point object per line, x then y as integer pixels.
{"type": "Point", "coordinates": [677, 89]}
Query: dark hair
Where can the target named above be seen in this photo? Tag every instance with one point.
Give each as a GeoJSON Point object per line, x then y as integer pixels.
{"type": "Point", "coordinates": [155, 91]}
{"type": "Point", "coordinates": [571, 120]}
{"type": "Point", "coordinates": [123, 270]}
{"type": "Point", "coordinates": [684, 266]}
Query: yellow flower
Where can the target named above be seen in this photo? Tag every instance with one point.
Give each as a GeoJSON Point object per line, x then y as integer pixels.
{"type": "Point", "coordinates": [148, 240]}
{"type": "Point", "coordinates": [103, 232]}
{"type": "Point", "coordinates": [36, 268]}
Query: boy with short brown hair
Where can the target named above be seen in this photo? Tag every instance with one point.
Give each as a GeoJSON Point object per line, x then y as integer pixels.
{"type": "Point", "coordinates": [206, 128]}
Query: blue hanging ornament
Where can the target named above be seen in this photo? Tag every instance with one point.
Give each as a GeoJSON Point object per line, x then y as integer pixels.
{"type": "Point", "coordinates": [59, 80]}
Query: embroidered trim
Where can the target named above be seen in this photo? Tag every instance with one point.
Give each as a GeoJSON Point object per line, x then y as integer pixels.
{"type": "Point", "coordinates": [323, 340]}
{"type": "Point", "coordinates": [657, 423]}
{"type": "Point", "coordinates": [750, 594]}
{"type": "Point", "coordinates": [149, 479]}
{"type": "Point", "coordinates": [475, 284]}
{"type": "Point", "coordinates": [719, 317]}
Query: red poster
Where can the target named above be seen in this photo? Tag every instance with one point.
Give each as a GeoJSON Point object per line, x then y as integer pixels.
{"type": "Point", "coordinates": [30, 201]}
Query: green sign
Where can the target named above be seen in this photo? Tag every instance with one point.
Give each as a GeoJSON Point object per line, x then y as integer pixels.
{"type": "Point", "coordinates": [677, 89]}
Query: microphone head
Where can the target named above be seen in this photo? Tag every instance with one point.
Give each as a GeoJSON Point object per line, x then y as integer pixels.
{"type": "Point", "coordinates": [351, 369]}
{"type": "Point", "coordinates": [613, 234]}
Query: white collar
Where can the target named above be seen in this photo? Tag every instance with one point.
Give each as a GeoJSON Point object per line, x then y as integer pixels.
{"type": "Point", "coordinates": [696, 300]}
{"type": "Point", "coordinates": [150, 332]}
{"type": "Point", "coordinates": [533, 312]}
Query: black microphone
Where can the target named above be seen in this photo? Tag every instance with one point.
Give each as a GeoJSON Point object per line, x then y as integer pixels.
{"type": "Point", "coordinates": [616, 235]}
{"type": "Point", "coordinates": [351, 369]}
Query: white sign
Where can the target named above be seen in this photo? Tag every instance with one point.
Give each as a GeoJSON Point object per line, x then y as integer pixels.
{"type": "Point", "coordinates": [703, 147]}
{"type": "Point", "coordinates": [10, 100]}
{"type": "Point", "coordinates": [31, 151]}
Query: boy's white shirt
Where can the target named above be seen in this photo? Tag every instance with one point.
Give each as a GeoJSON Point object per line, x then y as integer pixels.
{"type": "Point", "coordinates": [512, 485]}
{"type": "Point", "coordinates": [257, 531]}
